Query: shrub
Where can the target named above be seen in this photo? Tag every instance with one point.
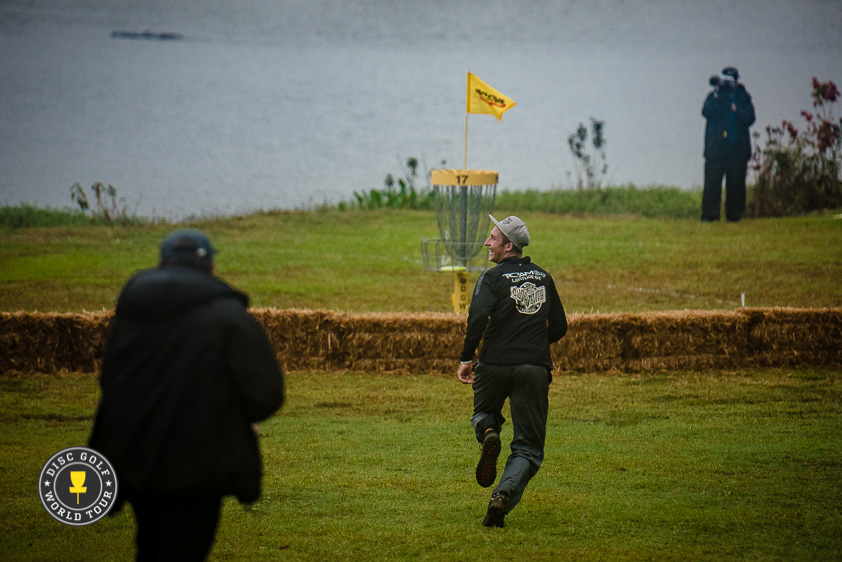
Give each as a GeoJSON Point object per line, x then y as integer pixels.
{"type": "Point", "coordinates": [405, 196]}
{"type": "Point", "coordinates": [799, 171]}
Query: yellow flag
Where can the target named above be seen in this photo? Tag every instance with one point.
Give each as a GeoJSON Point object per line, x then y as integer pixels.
{"type": "Point", "coordinates": [482, 98]}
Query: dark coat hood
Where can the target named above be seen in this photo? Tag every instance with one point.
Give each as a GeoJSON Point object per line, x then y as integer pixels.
{"type": "Point", "coordinates": [171, 291]}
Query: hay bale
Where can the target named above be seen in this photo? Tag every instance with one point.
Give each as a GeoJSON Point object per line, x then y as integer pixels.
{"type": "Point", "coordinates": [689, 333]}
{"type": "Point", "coordinates": [304, 340]}
{"type": "Point", "coordinates": [50, 342]}
{"type": "Point", "coordinates": [651, 341]}
{"type": "Point", "coordinates": [693, 340]}
{"type": "Point", "coordinates": [788, 337]}
{"type": "Point", "coordinates": [428, 343]}
{"type": "Point", "coordinates": [592, 343]}
{"type": "Point", "coordinates": [320, 340]}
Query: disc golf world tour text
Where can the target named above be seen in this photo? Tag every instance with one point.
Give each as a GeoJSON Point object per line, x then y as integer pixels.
{"type": "Point", "coordinates": [95, 463]}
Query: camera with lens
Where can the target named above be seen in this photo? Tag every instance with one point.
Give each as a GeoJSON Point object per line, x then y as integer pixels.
{"type": "Point", "coordinates": [724, 85]}
{"type": "Point", "coordinates": [722, 82]}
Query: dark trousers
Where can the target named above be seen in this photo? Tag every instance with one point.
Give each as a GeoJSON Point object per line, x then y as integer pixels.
{"type": "Point", "coordinates": [176, 527]}
{"type": "Point", "coordinates": [527, 388]}
{"type": "Point", "coordinates": [734, 169]}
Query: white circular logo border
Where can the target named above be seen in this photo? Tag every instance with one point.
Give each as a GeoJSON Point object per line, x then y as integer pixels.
{"type": "Point", "coordinates": [93, 511]}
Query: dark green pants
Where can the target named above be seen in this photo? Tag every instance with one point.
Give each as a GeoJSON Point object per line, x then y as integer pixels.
{"type": "Point", "coordinates": [527, 388]}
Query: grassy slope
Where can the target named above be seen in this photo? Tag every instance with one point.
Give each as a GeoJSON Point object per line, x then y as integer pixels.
{"type": "Point", "coordinates": [371, 261]}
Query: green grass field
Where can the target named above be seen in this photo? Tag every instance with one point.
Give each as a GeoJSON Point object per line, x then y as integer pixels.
{"type": "Point", "coordinates": [675, 466]}
{"type": "Point", "coordinates": [710, 466]}
{"type": "Point", "coordinates": [371, 262]}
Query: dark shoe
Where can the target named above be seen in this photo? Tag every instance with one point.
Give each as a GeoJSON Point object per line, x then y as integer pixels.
{"type": "Point", "coordinates": [496, 513]}
{"type": "Point", "coordinates": [487, 465]}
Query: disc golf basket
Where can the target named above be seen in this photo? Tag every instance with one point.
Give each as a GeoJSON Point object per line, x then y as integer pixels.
{"type": "Point", "coordinates": [463, 200]}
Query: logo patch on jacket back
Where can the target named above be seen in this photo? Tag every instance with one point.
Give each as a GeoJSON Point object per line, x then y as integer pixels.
{"type": "Point", "coordinates": [528, 298]}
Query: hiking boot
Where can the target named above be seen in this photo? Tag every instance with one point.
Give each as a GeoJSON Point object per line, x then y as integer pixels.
{"type": "Point", "coordinates": [496, 513]}
{"type": "Point", "coordinates": [487, 465]}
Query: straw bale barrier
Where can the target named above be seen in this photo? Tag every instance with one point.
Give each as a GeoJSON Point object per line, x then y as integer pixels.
{"type": "Point", "coordinates": [44, 342]}
{"type": "Point", "coordinates": [319, 340]}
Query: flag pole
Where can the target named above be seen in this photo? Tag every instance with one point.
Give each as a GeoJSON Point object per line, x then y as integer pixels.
{"type": "Point", "coordinates": [467, 112]}
{"type": "Point", "coordinates": [465, 164]}
{"type": "Point", "coordinates": [463, 223]}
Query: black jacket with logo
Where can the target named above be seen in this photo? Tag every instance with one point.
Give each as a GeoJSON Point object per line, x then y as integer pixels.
{"type": "Point", "coordinates": [187, 370]}
{"type": "Point", "coordinates": [517, 313]}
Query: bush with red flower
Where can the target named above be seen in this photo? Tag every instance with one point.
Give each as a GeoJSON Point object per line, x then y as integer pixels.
{"type": "Point", "coordinates": [798, 171]}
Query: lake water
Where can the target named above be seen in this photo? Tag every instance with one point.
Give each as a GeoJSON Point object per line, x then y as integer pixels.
{"type": "Point", "coordinates": [288, 104]}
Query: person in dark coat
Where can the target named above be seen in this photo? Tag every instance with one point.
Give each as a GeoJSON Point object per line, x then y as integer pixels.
{"type": "Point", "coordinates": [187, 373]}
{"type": "Point", "coordinates": [729, 112]}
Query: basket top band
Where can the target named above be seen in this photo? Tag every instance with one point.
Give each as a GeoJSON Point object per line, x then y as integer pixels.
{"type": "Point", "coordinates": [463, 177]}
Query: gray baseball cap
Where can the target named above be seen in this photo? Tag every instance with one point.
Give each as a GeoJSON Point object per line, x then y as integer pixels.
{"type": "Point", "coordinates": [514, 229]}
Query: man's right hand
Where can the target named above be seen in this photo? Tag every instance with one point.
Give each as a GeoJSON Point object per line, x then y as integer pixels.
{"type": "Point", "coordinates": [465, 373]}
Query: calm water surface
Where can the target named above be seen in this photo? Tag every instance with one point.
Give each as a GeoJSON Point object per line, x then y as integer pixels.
{"type": "Point", "coordinates": [289, 104]}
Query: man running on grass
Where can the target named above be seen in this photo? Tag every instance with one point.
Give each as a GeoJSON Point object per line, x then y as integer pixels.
{"type": "Point", "coordinates": [517, 313]}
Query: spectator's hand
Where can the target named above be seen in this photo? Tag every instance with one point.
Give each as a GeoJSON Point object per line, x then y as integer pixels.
{"type": "Point", "coordinates": [465, 373]}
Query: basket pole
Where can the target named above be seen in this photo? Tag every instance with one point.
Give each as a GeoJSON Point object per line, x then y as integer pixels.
{"type": "Point", "coordinates": [460, 297]}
